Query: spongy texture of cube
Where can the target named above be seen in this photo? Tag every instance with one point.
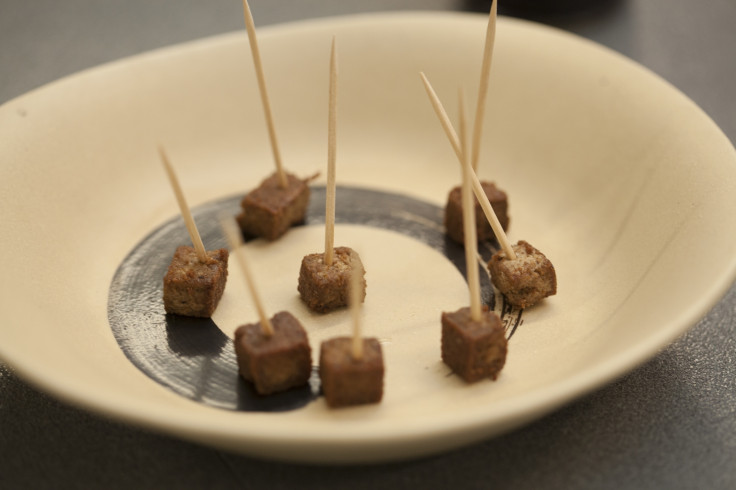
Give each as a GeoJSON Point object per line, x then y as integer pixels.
{"type": "Point", "coordinates": [192, 287]}
{"type": "Point", "coordinates": [327, 287]}
{"type": "Point", "coordinates": [474, 350]}
{"type": "Point", "coordinates": [277, 362]}
{"type": "Point", "coordinates": [347, 381]}
{"type": "Point", "coordinates": [269, 210]}
{"type": "Point", "coordinates": [526, 280]}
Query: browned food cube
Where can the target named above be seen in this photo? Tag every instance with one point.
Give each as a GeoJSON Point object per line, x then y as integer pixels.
{"type": "Point", "coordinates": [325, 288]}
{"type": "Point", "coordinates": [278, 362]}
{"type": "Point", "coordinates": [454, 213]}
{"type": "Point", "coordinates": [473, 350]}
{"type": "Point", "coordinates": [348, 381]}
{"type": "Point", "coordinates": [270, 210]}
{"type": "Point", "coordinates": [526, 280]}
{"type": "Point", "coordinates": [194, 288]}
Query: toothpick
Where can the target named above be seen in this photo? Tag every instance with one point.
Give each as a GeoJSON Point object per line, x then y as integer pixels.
{"type": "Point", "coordinates": [480, 194]}
{"type": "Point", "coordinates": [471, 239]}
{"type": "Point", "coordinates": [355, 310]}
{"type": "Point", "coordinates": [235, 241]}
{"type": "Point", "coordinates": [483, 87]}
{"type": "Point", "coordinates": [253, 41]}
{"type": "Point", "coordinates": [185, 212]}
{"type": "Point", "coordinates": [331, 158]}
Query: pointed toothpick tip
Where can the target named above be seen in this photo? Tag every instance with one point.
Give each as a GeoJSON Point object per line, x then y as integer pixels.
{"type": "Point", "coordinates": [483, 85]}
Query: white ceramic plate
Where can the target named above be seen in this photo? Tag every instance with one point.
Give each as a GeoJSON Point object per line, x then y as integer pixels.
{"type": "Point", "coordinates": [622, 181]}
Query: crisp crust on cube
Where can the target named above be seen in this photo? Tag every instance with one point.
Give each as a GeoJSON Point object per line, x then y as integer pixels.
{"type": "Point", "coordinates": [347, 381]}
{"type": "Point", "coordinates": [194, 288]}
{"type": "Point", "coordinates": [325, 288]}
{"type": "Point", "coordinates": [268, 211]}
{"type": "Point", "coordinates": [526, 280]}
{"type": "Point", "coordinates": [274, 363]}
{"type": "Point", "coordinates": [473, 350]}
{"type": "Point", "coordinates": [454, 213]}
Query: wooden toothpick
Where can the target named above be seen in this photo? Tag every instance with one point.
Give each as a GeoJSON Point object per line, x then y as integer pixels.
{"type": "Point", "coordinates": [185, 212]}
{"type": "Point", "coordinates": [253, 41]}
{"type": "Point", "coordinates": [477, 187]}
{"type": "Point", "coordinates": [471, 239]}
{"type": "Point", "coordinates": [485, 72]}
{"type": "Point", "coordinates": [235, 240]}
{"type": "Point", "coordinates": [355, 310]}
{"type": "Point", "coordinates": [331, 158]}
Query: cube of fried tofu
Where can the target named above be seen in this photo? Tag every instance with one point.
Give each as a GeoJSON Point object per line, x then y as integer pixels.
{"type": "Point", "coordinates": [526, 280]}
{"type": "Point", "coordinates": [454, 213]}
{"type": "Point", "coordinates": [325, 288]}
{"type": "Point", "coordinates": [347, 381]}
{"type": "Point", "coordinates": [474, 350]}
{"type": "Point", "coordinates": [192, 287]}
{"type": "Point", "coordinates": [269, 210]}
{"type": "Point", "coordinates": [277, 362]}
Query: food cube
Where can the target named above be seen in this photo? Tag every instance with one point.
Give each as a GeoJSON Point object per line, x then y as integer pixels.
{"type": "Point", "coordinates": [192, 287]}
{"type": "Point", "coordinates": [474, 350]}
{"type": "Point", "coordinates": [348, 381]}
{"type": "Point", "coordinates": [527, 279]}
{"type": "Point", "coordinates": [325, 288]}
{"type": "Point", "coordinates": [454, 213]}
{"type": "Point", "coordinates": [269, 210]}
{"type": "Point", "coordinates": [277, 362]}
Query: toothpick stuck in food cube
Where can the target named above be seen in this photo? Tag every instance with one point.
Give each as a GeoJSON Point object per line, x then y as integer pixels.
{"type": "Point", "coordinates": [281, 200]}
{"type": "Point", "coordinates": [480, 195]}
{"type": "Point", "coordinates": [195, 279]}
{"type": "Point", "coordinates": [352, 368]}
{"type": "Point", "coordinates": [274, 354]}
{"type": "Point", "coordinates": [497, 198]}
{"type": "Point", "coordinates": [473, 343]}
{"type": "Point", "coordinates": [324, 277]}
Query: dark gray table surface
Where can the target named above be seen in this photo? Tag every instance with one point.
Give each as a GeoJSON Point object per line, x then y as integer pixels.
{"type": "Point", "coordinates": [671, 423]}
